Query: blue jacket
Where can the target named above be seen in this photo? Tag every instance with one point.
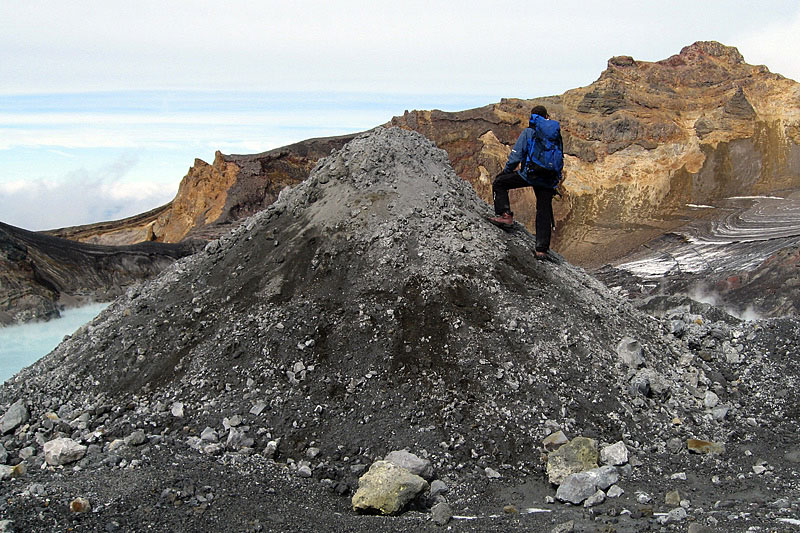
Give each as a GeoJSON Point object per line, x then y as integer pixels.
{"type": "Point", "coordinates": [519, 156]}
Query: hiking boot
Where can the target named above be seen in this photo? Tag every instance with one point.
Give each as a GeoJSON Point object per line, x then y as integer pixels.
{"type": "Point", "coordinates": [544, 256]}
{"type": "Point", "coordinates": [504, 220]}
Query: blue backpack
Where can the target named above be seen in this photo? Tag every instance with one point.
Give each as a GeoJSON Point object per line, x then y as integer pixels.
{"type": "Point", "coordinates": [545, 149]}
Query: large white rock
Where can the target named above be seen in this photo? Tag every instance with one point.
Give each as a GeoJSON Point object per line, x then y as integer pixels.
{"type": "Point", "coordinates": [63, 451]}
{"type": "Point", "coordinates": [578, 487]}
{"type": "Point", "coordinates": [630, 352]}
{"type": "Point", "coordinates": [615, 454]}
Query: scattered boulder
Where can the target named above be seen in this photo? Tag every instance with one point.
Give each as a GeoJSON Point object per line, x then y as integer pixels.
{"type": "Point", "coordinates": [441, 513]}
{"type": "Point", "coordinates": [577, 455]}
{"type": "Point", "coordinates": [438, 487]}
{"type": "Point", "coordinates": [615, 455]}
{"type": "Point", "coordinates": [6, 472]}
{"type": "Point", "coordinates": [16, 415]}
{"type": "Point", "coordinates": [631, 352]}
{"type": "Point", "coordinates": [491, 473]}
{"type": "Point", "coordinates": [582, 485]}
{"type": "Point", "coordinates": [554, 440]}
{"type": "Point", "coordinates": [386, 489]}
{"type": "Point", "coordinates": [678, 514]}
{"type": "Point", "coordinates": [62, 451]}
{"type": "Point", "coordinates": [673, 498]}
{"type": "Point", "coordinates": [80, 505]}
{"type": "Point", "coordinates": [209, 435]}
{"type": "Point", "coordinates": [238, 439]}
{"type": "Point", "coordinates": [564, 527]}
{"type": "Point", "coordinates": [704, 446]}
{"type": "Point", "coordinates": [595, 499]}
{"type": "Point", "coordinates": [177, 409]}
{"type": "Point", "coordinates": [412, 463]}
{"type": "Point", "coordinates": [137, 438]}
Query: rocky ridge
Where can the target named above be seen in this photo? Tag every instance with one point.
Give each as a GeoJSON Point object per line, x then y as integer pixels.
{"type": "Point", "coordinates": [372, 308]}
{"type": "Point", "coordinates": [40, 274]}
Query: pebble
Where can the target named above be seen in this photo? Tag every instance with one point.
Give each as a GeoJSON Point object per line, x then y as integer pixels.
{"type": "Point", "coordinates": [80, 505]}
{"type": "Point", "coordinates": [441, 513]}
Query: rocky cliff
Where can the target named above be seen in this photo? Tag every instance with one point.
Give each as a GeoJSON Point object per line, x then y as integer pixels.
{"type": "Point", "coordinates": [642, 142]}
{"type": "Point", "coordinates": [371, 309]}
{"type": "Point", "coordinates": [40, 274]}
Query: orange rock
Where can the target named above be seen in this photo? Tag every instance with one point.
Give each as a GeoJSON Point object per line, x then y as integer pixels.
{"type": "Point", "coordinates": [704, 446]}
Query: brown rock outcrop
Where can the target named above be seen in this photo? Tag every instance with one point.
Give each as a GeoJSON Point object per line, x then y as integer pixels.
{"type": "Point", "coordinates": [642, 141]}
{"type": "Point", "coordinates": [213, 197]}
{"type": "Point", "coordinates": [138, 228]}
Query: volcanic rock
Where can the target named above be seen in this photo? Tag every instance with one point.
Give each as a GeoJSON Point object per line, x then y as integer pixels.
{"type": "Point", "coordinates": [577, 455]}
{"type": "Point", "coordinates": [387, 488]}
{"type": "Point", "coordinates": [615, 455]}
{"type": "Point", "coordinates": [630, 351]}
{"type": "Point", "coordinates": [554, 440]}
{"type": "Point", "coordinates": [15, 415]}
{"type": "Point", "coordinates": [441, 513]}
{"type": "Point", "coordinates": [412, 463]}
{"type": "Point", "coordinates": [704, 446]}
{"type": "Point", "coordinates": [580, 486]}
{"type": "Point", "coordinates": [62, 451]}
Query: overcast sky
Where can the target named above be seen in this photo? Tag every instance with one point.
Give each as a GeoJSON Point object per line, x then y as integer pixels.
{"type": "Point", "coordinates": [277, 72]}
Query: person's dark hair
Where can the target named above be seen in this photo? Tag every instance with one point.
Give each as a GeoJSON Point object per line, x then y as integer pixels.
{"type": "Point", "coordinates": [539, 110]}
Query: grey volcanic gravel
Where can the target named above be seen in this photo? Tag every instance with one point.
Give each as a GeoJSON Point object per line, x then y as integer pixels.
{"type": "Point", "coordinates": [372, 309]}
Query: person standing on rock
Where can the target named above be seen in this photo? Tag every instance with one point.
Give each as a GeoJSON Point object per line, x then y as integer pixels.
{"type": "Point", "coordinates": [536, 160]}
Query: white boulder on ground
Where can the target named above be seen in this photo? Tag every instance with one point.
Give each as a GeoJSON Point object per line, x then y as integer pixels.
{"type": "Point", "coordinates": [631, 352]}
{"type": "Point", "coordinates": [615, 454]}
{"type": "Point", "coordinates": [578, 487]}
{"type": "Point", "coordinates": [63, 451]}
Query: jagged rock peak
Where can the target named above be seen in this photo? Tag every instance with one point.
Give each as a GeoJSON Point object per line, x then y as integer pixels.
{"type": "Point", "coordinates": [688, 55]}
{"type": "Point", "coordinates": [714, 49]}
{"type": "Point", "coordinates": [706, 57]}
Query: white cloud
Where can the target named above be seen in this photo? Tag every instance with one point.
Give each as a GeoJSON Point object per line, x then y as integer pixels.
{"type": "Point", "coordinates": [80, 197]}
{"type": "Point", "coordinates": [467, 47]}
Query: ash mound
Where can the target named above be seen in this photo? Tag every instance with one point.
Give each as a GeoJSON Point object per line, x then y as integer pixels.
{"type": "Point", "coordinates": [373, 308]}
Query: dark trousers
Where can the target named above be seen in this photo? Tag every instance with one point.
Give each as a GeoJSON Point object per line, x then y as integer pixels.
{"type": "Point", "coordinates": [544, 204]}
